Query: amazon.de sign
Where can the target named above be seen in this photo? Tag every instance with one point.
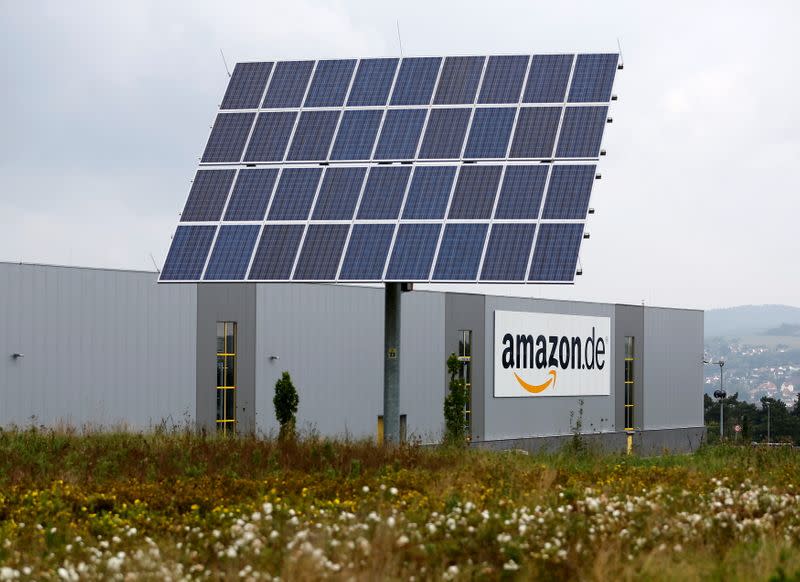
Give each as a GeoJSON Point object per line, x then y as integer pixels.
{"type": "Point", "coordinates": [549, 354]}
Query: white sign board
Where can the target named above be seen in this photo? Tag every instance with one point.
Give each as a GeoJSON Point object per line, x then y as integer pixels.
{"type": "Point", "coordinates": [550, 354]}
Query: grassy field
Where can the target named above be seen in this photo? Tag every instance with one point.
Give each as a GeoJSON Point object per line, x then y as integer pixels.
{"type": "Point", "coordinates": [177, 506]}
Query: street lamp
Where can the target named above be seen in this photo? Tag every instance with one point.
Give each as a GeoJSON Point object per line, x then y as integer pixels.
{"type": "Point", "coordinates": [720, 394]}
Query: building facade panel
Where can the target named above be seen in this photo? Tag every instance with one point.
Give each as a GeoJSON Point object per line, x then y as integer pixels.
{"type": "Point", "coordinates": [673, 368]}
{"type": "Point", "coordinates": [101, 348]}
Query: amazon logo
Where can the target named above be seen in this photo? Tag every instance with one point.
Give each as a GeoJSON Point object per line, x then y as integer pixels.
{"type": "Point", "coordinates": [552, 353]}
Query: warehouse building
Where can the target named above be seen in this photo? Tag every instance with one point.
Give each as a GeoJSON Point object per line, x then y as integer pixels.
{"type": "Point", "coordinates": [107, 348]}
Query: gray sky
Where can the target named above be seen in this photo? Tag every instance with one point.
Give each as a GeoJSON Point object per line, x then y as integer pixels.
{"type": "Point", "coordinates": [106, 106]}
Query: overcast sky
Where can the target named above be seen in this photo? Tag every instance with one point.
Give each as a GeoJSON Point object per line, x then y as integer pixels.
{"type": "Point", "coordinates": [106, 106]}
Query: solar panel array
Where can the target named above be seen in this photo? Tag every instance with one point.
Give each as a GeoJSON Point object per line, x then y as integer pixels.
{"type": "Point", "coordinates": [426, 169]}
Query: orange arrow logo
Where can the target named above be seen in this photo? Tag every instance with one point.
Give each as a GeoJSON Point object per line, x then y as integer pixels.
{"type": "Point", "coordinates": [536, 388]}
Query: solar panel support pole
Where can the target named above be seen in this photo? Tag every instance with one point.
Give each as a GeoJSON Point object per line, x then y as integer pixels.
{"type": "Point", "coordinates": [391, 364]}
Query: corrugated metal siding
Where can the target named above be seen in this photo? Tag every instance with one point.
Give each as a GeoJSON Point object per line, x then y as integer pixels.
{"type": "Point", "coordinates": [673, 368]}
{"type": "Point", "coordinates": [508, 418]}
{"type": "Point", "coordinates": [100, 347]}
{"type": "Point", "coordinates": [330, 338]}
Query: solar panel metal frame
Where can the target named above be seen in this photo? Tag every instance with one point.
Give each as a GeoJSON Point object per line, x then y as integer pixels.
{"type": "Point", "coordinates": [415, 162]}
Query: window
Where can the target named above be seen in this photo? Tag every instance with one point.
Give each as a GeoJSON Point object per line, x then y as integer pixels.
{"type": "Point", "coordinates": [629, 382]}
{"type": "Point", "coordinates": [465, 356]}
{"type": "Point", "coordinates": [226, 377]}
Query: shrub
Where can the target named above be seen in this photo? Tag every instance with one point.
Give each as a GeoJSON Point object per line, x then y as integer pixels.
{"type": "Point", "coordinates": [454, 405]}
{"type": "Point", "coordinates": [285, 401]}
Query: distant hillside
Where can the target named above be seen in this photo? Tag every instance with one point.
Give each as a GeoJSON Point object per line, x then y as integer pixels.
{"type": "Point", "coordinates": [786, 329]}
{"type": "Point", "coordinates": [750, 320]}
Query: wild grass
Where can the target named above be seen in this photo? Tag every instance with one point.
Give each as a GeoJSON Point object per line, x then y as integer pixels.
{"type": "Point", "coordinates": [175, 505]}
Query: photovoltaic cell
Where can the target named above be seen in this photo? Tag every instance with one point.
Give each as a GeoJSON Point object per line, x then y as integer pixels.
{"type": "Point", "coordinates": [232, 252]}
{"type": "Point", "coordinates": [400, 134]}
{"type": "Point", "coordinates": [568, 192]}
{"type": "Point", "coordinates": [415, 81]}
{"type": "Point", "coordinates": [548, 78]}
{"type": "Point", "coordinates": [429, 192]}
{"type": "Point", "coordinates": [294, 194]}
{"type": "Point", "coordinates": [581, 132]}
{"type": "Point", "coordinates": [251, 194]}
{"type": "Point", "coordinates": [521, 192]}
{"type": "Point", "coordinates": [490, 132]}
{"type": "Point", "coordinates": [356, 136]}
{"type": "Point", "coordinates": [330, 83]}
{"type": "Point", "coordinates": [413, 252]}
{"type": "Point", "coordinates": [536, 132]}
{"type": "Point", "coordinates": [246, 86]}
{"type": "Point", "coordinates": [208, 195]}
{"type": "Point", "coordinates": [188, 252]}
{"type": "Point", "coordinates": [276, 251]}
{"type": "Point", "coordinates": [507, 252]}
{"type": "Point", "coordinates": [556, 252]}
{"type": "Point", "coordinates": [270, 136]}
{"type": "Point", "coordinates": [593, 78]}
{"type": "Point", "coordinates": [373, 82]}
{"type": "Point", "coordinates": [476, 189]}
{"type": "Point", "coordinates": [460, 252]}
{"type": "Point", "coordinates": [383, 193]}
{"type": "Point", "coordinates": [444, 134]}
{"type": "Point", "coordinates": [313, 136]}
{"type": "Point", "coordinates": [322, 249]}
{"type": "Point", "coordinates": [366, 252]}
{"type": "Point", "coordinates": [339, 194]}
{"type": "Point", "coordinates": [459, 80]}
{"type": "Point", "coordinates": [228, 137]}
{"type": "Point", "coordinates": [502, 81]}
{"type": "Point", "coordinates": [288, 84]}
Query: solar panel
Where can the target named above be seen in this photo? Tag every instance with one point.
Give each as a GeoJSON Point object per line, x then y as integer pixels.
{"type": "Point", "coordinates": [459, 81]}
{"type": "Point", "coordinates": [322, 249]}
{"type": "Point", "coordinates": [366, 252]}
{"type": "Point", "coordinates": [507, 252]}
{"type": "Point", "coordinates": [460, 252]}
{"type": "Point", "coordinates": [475, 191]}
{"type": "Point", "coordinates": [288, 84]}
{"type": "Point", "coordinates": [295, 194]}
{"type": "Point", "coordinates": [356, 136]}
{"type": "Point", "coordinates": [208, 195]}
{"type": "Point", "coordinates": [490, 132]}
{"type": "Point", "coordinates": [276, 252]}
{"type": "Point", "coordinates": [338, 194]}
{"type": "Point", "coordinates": [232, 252]}
{"type": "Point", "coordinates": [313, 135]}
{"type": "Point", "coordinates": [228, 136]}
{"type": "Point", "coordinates": [521, 192]}
{"type": "Point", "coordinates": [373, 82]}
{"type": "Point", "coordinates": [398, 169]}
{"type": "Point", "coordinates": [444, 135]}
{"type": "Point", "coordinates": [270, 136]}
{"type": "Point", "coordinates": [330, 83]}
{"type": "Point", "coordinates": [502, 81]}
{"type": "Point", "coordinates": [246, 86]}
{"type": "Point", "coordinates": [383, 193]}
{"type": "Point", "coordinates": [556, 252]}
{"type": "Point", "coordinates": [251, 194]}
{"type": "Point", "coordinates": [568, 192]}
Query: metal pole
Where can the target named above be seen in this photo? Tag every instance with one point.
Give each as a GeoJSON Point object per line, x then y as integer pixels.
{"type": "Point", "coordinates": [391, 365]}
{"type": "Point", "coordinates": [721, 405]}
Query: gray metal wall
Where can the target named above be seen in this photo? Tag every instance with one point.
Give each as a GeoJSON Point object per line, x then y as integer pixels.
{"type": "Point", "coordinates": [330, 338]}
{"type": "Point", "coordinates": [100, 347]}
{"type": "Point", "coordinates": [513, 418]}
{"type": "Point", "coordinates": [673, 368]}
{"type": "Point", "coordinates": [629, 321]}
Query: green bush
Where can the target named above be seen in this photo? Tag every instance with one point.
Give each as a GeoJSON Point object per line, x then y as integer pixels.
{"type": "Point", "coordinates": [285, 401]}
{"type": "Point", "coordinates": [454, 404]}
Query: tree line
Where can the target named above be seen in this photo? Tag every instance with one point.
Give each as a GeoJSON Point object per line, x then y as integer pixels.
{"type": "Point", "coordinates": [783, 420]}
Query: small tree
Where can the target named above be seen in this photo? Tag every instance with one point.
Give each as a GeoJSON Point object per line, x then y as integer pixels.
{"type": "Point", "coordinates": [454, 404]}
{"type": "Point", "coordinates": [285, 401]}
